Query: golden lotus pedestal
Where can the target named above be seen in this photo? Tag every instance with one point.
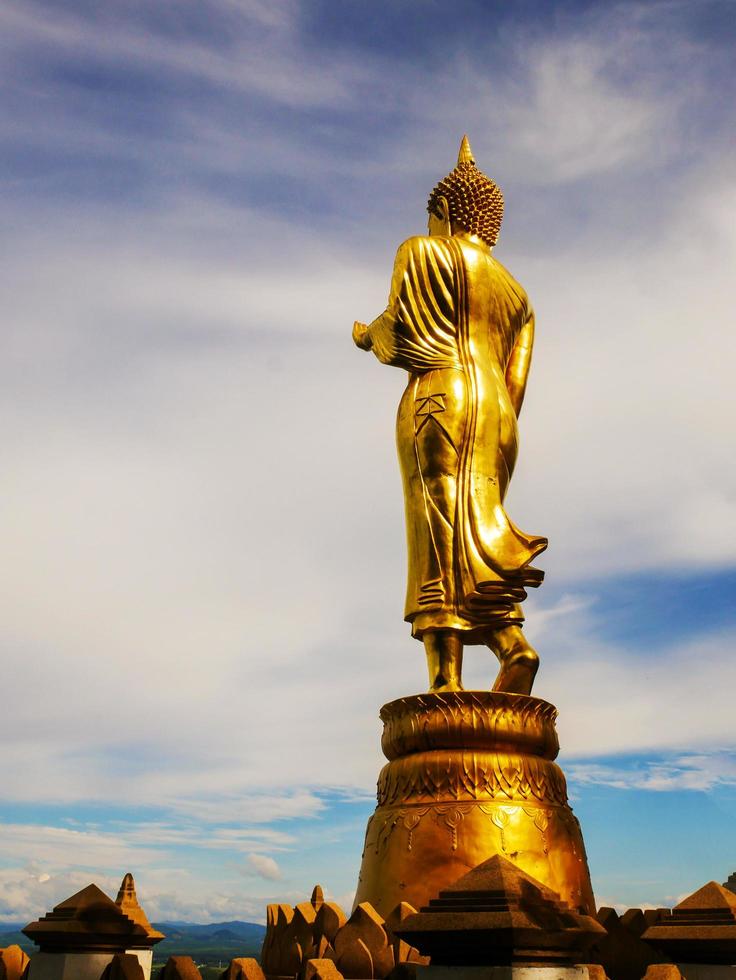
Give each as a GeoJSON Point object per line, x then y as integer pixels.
{"type": "Point", "coordinates": [470, 775]}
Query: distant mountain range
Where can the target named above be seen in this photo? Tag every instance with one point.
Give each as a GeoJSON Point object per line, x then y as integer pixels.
{"type": "Point", "coordinates": [208, 942]}
{"type": "Point", "coordinates": [11, 935]}
{"type": "Point", "coordinates": [249, 931]}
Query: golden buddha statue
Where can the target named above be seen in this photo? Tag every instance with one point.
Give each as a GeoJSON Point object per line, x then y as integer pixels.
{"type": "Point", "coordinates": [463, 328]}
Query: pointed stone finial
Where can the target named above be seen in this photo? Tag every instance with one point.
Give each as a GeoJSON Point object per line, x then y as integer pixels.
{"type": "Point", "coordinates": [318, 897]}
{"type": "Point", "coordinates": [330, 919]}
{"type": "Point", "coordinates": [13, 962]}
{"type": "Point", "coordinates": [322, 970]}
{"type": "Point", "coordinates": [126, 892]}
{"type": "Point", "coordinates": [362, 949]}
{"type": "Point", "coordinates": [180, 968]}
{"type": "Point", "coordinates": [595, 971]}
{"type": "Point", "coordinates": [466, 154]}
{"type": "Point", "coordinates": [127, 900]}
{"type": "Point", "coordinates": [243, 968]}
{"type": "Point", "coordinates": [123, 966]}
{"type": "Point", "coordinates": [663, 971]}
{"type": "Point", "coordinates": [403, 952]}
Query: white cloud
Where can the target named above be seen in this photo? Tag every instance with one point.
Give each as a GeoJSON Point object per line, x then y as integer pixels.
{"type": "Point", "coordinates": [201, 518]}
{"type": "Point", "coordinates": [264, 867]}
{"type": "Point", "coordinates": [605, 93]}
{"type": "Point", "coordinates": [601, 94]}
{"type": "Point", "coordinates": [140, 844]}
{"type": "Point", "coordinates": [640, 409]}
{"type": "Point", "coordinates": [686, 772]}
{"type": "Point", "coordinates": [600, 97]}
{"type": "Point", "coordinates": [166, 894]}
{"type": "Point", "coordinates": [567, 605]}
{"type": "Point", "coordinates": [612, 700]}
{"type": "Point", "coordinates": [171, 883]}
{"type": "Point", "coordinates": [204, 540]}
{"type": "Point", "coordinates": [575, 121]}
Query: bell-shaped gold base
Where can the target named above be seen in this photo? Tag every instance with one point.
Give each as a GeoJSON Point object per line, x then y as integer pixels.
{"type": "Point", "coordinates": [470, 775]}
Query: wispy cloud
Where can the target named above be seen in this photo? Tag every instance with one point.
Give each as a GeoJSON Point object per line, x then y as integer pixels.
{"type": "Point", "coordinates": [609, 91]}
{"type": "Point", "coordinates": [617, 700]}
{"type": "Point", "coordinates": [245, 49]}
{"type": "Point", "coordinates": [566, 605]}
{"type": "Point", "coordinates": [171, 880]}
{"type": "Point", "coordinates": [139, 844]}
{"type": "Point", "coordinates": [684, 772]}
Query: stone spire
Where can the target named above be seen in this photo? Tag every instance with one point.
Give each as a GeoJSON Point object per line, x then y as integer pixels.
{"type": "Point", "coordinates": [318, 898]}
{"type": "Point", "coordinates": [127, 900]}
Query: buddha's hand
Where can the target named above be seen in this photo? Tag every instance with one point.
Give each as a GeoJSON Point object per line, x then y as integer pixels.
{"type": "Point", "coordinates": [361, 337]}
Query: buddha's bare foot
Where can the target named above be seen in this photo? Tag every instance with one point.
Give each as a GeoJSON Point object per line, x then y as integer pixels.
{"type": "Point", "coordinates": [444, 651]}
{"type": "Point", "coordinates": [519, 661]}
{"type": "Point", "coordinates": [440, 688]}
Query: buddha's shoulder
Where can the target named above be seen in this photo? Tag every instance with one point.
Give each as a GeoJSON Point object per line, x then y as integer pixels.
{"type": "Point", "coordinates": [508, 282]}
{"type": "Point", "coordinates": [425, 243]}
{"type": "Point", "coordinates": [435, 248]}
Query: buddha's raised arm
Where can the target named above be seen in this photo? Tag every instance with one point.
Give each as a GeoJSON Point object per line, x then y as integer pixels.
{"type": "Point", "coordinates": [517, 369]}
{"type": "Point", "coordinates": [416, 331]}
{"type": "Point", "coordinates": [379, 336]}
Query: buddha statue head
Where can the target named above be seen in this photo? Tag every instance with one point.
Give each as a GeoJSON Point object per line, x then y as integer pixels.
{"type": "Point", "coordinates": [466, 200]}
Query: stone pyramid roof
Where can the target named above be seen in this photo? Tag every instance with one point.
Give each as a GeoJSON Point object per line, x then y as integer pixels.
{"type": "Point", "coordinates": [90, 897]}
{"type": "Point", "coordinates": [710, 897]}
{"type": "Point", "coordinates": [498, 876]}
{"type": "Point", "coordinates": [701, 928]}
{"type": "Point", "coordinates": [498, 914]}
{"type": "Point", "coordinates": [90, 920]}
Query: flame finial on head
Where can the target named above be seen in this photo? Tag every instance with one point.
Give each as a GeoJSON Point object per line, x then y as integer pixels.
{"type": "Point", "coordinates": [466, 154]}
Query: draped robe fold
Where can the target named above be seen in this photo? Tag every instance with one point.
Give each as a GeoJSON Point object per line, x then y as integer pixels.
{"type": "Point", "coordinates": [453, 319]}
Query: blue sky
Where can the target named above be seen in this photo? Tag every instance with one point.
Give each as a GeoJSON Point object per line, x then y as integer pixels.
{"type": "Point", "coordinates": [200, 611]}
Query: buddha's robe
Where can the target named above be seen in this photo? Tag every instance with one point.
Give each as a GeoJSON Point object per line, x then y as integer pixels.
{"type": "Point", "coordinates": [459, 324]}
